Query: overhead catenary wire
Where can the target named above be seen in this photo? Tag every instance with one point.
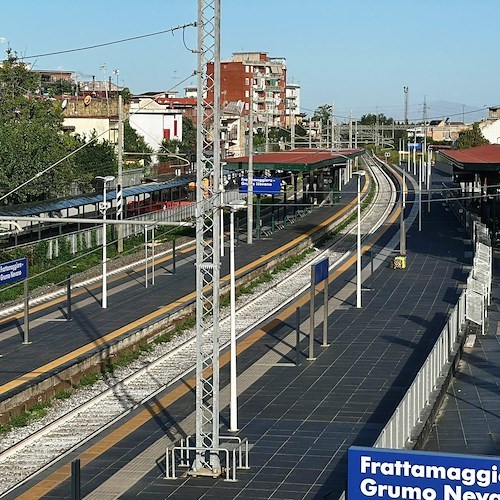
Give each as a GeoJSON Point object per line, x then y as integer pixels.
{"type": "Point", "coordinates": [106, 44]}
{"type": "Point", "coordinates": [412, 121]}
{"type": "Point", "coordinates": [94, 139]}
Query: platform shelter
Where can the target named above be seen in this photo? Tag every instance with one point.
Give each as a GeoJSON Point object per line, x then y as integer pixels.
{"type": "Point", "coordinates": [322, 171]}
{"type": "Point", "coordinates": [476, 166]}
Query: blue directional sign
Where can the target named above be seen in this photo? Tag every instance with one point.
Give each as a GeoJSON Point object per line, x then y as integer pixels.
{"type": "Point", "coordinates": [262, 185]}
{"type": "Point", "coordinates": [320, 271]}
{"type": "Point", "coordinates": [383, 474]}
{"type": "Point", "coordinates": [13, 271]}
{"type": "Point", "coordinates": [414, 145]}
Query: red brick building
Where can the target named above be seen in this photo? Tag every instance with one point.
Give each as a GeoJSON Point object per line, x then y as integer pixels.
{"type": "Point", "coordinates": [256, 74]}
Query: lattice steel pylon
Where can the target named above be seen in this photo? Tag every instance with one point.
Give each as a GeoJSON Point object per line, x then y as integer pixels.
{"type": "Point", "coordinates": [208, 206]}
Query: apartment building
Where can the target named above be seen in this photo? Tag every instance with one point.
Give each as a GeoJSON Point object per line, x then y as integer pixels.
{"type": "Point", "coordinates": [445, 130]}
{"type": "Point", "coordinates": [292, 106]}
{"type": "Point", "coordinates": [254, 77]}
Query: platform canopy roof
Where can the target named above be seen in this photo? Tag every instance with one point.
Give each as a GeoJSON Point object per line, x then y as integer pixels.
{"type": "Point", "coordinates": [37, 208]}
{"type": "Point", "coordinates": [478, 159]}
{"type": "Point", "coordinates": [295, 160]}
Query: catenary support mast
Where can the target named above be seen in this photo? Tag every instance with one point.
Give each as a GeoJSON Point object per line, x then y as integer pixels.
{"type": "Point", "coordinates": [208, 203]}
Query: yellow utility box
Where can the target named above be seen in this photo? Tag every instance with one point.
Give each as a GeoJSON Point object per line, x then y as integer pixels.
{"type": "Point", "coordinates": [399, 262]}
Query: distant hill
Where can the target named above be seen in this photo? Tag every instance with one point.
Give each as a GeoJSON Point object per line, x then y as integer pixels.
{"type": "Point", "coordinates": [455, 112]}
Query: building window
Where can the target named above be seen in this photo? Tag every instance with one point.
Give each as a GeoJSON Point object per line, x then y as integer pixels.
{"type": "Point", "coordinates": [247, 81]}
{"type": "Point", "coordinates": [247, 93]}
{"type": "Point", "coordinates": [247, 106]}
{"type": "Point", "coordinates": [247, 69]}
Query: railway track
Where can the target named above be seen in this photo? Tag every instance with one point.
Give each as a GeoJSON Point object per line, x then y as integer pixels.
{"type": "Point", "coordinates": [28, 451]}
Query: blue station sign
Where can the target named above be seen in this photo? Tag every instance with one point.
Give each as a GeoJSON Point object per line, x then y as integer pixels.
{"type": "Point", "coordinates": [380, 473]}
{"type": "Point", "coordinates": [262, 185]}
{"type": "Point", "coordinates": [13, 271]}
{"type": "Point", "coordinates": [320, 270]}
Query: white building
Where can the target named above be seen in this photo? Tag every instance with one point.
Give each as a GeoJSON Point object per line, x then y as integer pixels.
{"type": "Point", "coordinates": [155, 119]}
{"type": "Point", "coordinates": [491, 126]}
{"type": "Point", "coordinates": [105, 128]}
{"type": "Point", "coordinates": [292, 102]}
{"type": "Point", "coordinates": [191, 91]}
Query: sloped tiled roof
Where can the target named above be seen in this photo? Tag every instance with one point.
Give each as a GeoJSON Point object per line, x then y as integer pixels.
{"type": "Point", "coordinates": [295, 159]}
{"type": "Point", "coordinates": [487, 154]}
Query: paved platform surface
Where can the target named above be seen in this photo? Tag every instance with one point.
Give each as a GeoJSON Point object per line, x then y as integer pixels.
{"type": "Point", "coordinates": [469, 418]}
{"type": "Point", "coordinates": [300, 420]}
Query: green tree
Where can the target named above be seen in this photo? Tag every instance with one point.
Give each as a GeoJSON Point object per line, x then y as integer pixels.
{"type": "Point", "coordinates": [323, 113]}
{"type": "Point", "coordinates": [185, 147]}
{"type": "Point", "coordinates": [58, 87]}
{"type": "Point", "coordinates": [96, 158]}
{"type": "Point", "coordinates": [300, 131]}
{"type": "Point", "coordinates": [371, 119]}
{"type": "Point", "coordinates": [31, 140]}
{"type": "Point", "coordinates": [134, 143]}
{"type": "Point", "coordinates": [125, 93]}
{"type": "Point", "coordinates": [470, 138]}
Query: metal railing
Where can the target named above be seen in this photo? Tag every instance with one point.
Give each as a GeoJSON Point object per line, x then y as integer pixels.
{"type": "Point", "coordinates": [174, 212]}
{"type": "Point", "coordinates": [409, 413]}
{"type": "Point", "coordinates": [412, 410]}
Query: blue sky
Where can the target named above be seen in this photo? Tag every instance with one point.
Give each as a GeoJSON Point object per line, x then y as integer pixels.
{"type": "Point", "coordinates": [356, 53]}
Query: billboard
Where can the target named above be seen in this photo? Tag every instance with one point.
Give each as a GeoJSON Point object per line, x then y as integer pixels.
{"type": "Point", "coordinates": [13, 271]}
{"type": "Point", "coordinates": [262, 185]}
{"type": "Point", "coordinates": [418, 475]}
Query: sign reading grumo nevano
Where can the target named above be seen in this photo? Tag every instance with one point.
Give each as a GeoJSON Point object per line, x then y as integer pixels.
{"type": "Point", "coordinates": [414, 475]}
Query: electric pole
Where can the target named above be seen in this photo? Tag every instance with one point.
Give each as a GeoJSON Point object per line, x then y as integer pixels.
{"type": "Point", "coordinates": [333, 125]}
{"type": "Point", "coordinates": [350, 130]}
{"type": "Point", "coordinates": [250, 171]}
{"type": "Point", "coordinates": [405, 90]}
{"type": "Point", "coordinates": [119, 185]}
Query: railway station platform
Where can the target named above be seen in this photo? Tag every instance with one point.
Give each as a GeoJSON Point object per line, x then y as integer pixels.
{"type": "Point", "coordinates": [56, 343]}
{"type": "Point", "coordinates": [469, 418]}
{"type": "Point", "coordinates": [299, 418]}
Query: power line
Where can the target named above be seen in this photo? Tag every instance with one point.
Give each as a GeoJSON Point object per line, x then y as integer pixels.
{"type": "Point", "coordinates": [89, 47]}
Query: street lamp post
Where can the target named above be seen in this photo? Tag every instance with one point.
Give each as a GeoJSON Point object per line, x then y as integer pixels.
{"type": "Point", "coordinates": [233, 206]}
{"type": "Point", "coordinates": [359, 174]}
{"type": "Point", "coordinates": [98, 181]}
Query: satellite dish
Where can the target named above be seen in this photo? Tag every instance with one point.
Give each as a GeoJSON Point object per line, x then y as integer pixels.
{"type": "Point", "coordinates": [64, 103]}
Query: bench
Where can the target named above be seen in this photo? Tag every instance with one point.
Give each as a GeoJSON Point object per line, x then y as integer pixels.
{"type": "Point", "coordinates": [266, 230]}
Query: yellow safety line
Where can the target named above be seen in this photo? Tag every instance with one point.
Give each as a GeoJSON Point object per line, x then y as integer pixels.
{"type": "Point", "coordinates": [83, 290]}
